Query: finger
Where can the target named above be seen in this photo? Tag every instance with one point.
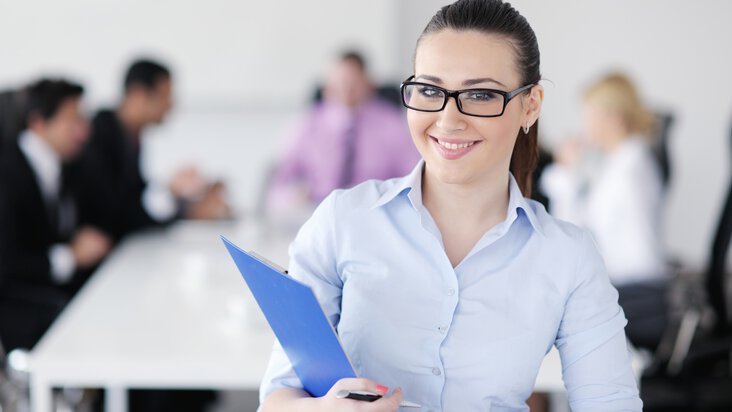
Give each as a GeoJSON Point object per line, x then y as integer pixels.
{"type": "Point", "coordinates": [396, 398]}
{"type": "Point", "coordinates": [360, 384]}
{"type": "Point", "coordinates": [387, 403]}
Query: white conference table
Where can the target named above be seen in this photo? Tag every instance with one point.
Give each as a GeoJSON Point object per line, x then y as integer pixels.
{"type": "Point", "coordinates": [169, 310]}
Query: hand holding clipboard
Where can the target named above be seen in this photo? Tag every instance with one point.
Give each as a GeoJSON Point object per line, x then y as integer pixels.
{"type": "Point", "coordinates": [303, 330]}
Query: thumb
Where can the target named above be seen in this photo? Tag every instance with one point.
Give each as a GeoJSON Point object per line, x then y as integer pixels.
{"type": "Point", "coordinates": [396, 398]}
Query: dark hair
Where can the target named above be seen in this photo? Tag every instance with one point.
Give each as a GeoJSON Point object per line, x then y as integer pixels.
{"type": "Point", "coordinates": [354, 56]}
{"type": "Point", "coordinates": [44, 97]}
{"type": "Point", "coordinates": [499, 18]}
{"type": "Point", "coordinates": [145, 73]}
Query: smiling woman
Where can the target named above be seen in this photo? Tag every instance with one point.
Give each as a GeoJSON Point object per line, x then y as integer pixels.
{"type": "Point", "coordinates": [449, 282]}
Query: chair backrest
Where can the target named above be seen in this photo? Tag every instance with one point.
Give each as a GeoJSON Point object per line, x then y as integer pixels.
{"type": "Point", "coordinates": [664, 121]}
{"type": "Point", "coordinates": [716, 279]}
{"type": "Point", "coordinates": [11, 116]}
{"type": "Point", "coordinates": [388, 92]}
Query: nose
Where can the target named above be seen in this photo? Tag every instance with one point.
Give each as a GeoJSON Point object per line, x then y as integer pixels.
{"type": "Point", "coordinates": [450, 119]}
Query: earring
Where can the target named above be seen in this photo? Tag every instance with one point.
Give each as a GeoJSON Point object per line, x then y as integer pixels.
{"type": "Point", "coordinates": [526, 128]}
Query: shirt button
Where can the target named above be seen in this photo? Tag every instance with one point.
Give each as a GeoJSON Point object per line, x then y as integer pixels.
{"type": "Point", "coordinates": [436, 371]}
{"type": "Point", "coordinates": [450, 292]}
{"type": "Point", "coordinates": [442, 329]}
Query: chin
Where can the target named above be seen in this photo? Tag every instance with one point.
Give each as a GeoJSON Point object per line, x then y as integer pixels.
{"type": "Point", "coordinates": [449, 174]}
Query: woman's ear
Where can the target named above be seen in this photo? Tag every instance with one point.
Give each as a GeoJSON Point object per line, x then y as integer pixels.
{"type": "Point", "coordinates": [532, 104]}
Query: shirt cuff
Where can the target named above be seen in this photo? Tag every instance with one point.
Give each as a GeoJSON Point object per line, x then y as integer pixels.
{"type": "Point", "coordinates": [62, 262]}
{"type": "Point", "coordinates": [159, 202]}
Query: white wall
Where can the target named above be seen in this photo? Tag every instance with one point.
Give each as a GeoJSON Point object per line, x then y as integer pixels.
{"type": "Point", "coordinates": [228, 52]}
{"type": "Point", "coordinates": [224, 50]}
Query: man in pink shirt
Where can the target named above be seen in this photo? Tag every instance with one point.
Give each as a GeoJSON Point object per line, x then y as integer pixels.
{"type": "Point", "coordinates": [348, 138]}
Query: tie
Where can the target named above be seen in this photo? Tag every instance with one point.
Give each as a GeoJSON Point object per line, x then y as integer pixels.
{"type": "Point", "coordinates": [65, 207]}
{"type": "Point", "coordinates": [349, 157]}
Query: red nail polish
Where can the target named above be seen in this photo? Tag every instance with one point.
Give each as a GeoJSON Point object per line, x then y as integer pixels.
{"type": "Point", "coordinates": [382, 389]}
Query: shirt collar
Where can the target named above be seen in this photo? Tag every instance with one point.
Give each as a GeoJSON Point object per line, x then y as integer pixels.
{"type": "Point", "coordinates": [412, 185]}
{"type": "Point", "coordinates": [44, 161]}
{"type": "Point", "coordinates": [517, 201]}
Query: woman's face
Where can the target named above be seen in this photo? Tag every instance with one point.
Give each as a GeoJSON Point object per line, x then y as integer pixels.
{"type": "Point", "coordinates": [458, 60]}
{"type": "Point", "coordinates": [601, 126]}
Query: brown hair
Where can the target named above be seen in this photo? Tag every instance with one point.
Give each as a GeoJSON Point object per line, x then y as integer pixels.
{"type": "Point", "coordinates": [497, 17]}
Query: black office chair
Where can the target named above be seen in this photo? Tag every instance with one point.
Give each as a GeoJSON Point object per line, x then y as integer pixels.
{"type": "Point", "coordinates": [14, 384]}
{"type": "Point", "coordinates": [659, 146]}
{"type": "Point", "coordinates": [11, 116]}
{"type": "Point", "coordinates": [388, 92]}
{"type": "Point", "coordinates": [692, 369]}
{"type": "Point", "coordinates": [714, 343]}
{"type": "Point", "coordinates": [716, 276]}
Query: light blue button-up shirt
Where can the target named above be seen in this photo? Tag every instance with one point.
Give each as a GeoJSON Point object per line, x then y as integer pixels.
{"type": "Point", "coordinates": [469, 338]}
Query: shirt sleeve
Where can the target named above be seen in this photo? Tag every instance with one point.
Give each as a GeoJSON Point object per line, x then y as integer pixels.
{"type": "Point", "coordinates": [596, 363]}
{"type": "Point", "coordinates": [563, 188]}
{"type": "Point", "coordinates": [159, 202]}
{"type": "Point", "coordinates": [312, 261]}
{"type": "Point", "coordinates": [62, 262]}
{"type": "Point", "coordinates": [287, 177]}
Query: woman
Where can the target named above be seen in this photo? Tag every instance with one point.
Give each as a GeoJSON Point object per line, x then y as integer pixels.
{"type": "Point", "coordinates": [620, 202]}
{"type": "Point", "coordinates": [448, 283]}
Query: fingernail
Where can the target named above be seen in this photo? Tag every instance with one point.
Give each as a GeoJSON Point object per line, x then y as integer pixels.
{"type": "Point", "coordinates": [382, 389]}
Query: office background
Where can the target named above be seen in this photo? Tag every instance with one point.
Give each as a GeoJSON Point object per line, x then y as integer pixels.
{"type": "Point", "coordinates": [245, 70]}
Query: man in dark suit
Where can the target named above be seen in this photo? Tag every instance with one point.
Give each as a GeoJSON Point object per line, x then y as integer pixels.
{"type": "Point", "coordinates": [113, 154]}
{"type": "Point", "coordinates": [47, 246]}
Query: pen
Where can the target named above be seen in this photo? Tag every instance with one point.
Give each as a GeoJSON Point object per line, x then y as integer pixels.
{"type": "Point", "coordinates": [369, 397]}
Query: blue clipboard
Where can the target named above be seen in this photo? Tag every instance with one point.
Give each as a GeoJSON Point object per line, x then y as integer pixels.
{"type": "Point", "coordinates": [297, 320]}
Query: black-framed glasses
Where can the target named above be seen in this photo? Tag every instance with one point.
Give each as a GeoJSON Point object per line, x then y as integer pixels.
{"type": "Point", "coordinates": [425, 97]}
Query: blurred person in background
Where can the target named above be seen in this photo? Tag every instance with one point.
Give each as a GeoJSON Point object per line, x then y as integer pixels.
{"type": "Point", "coordinates": [48, 248]}
{"type": "Point", "coordinates": [114, 154]}
{"type": "Point", "coordinates": [349, 137]}
{"type": "Point", "coordinates": [620, 200]}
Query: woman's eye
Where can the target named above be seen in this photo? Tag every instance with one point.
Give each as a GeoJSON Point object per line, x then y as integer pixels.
{"type": "Point", "coordinates": [481, 96]}
{"type": "Point", "coordinates": [431, 92]}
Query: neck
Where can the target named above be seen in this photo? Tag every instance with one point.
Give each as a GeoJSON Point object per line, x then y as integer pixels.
{"type": "Point", "coordinates": [131, 119]}
{"type": "Point", "coordinates": [45, 143]}
{"type": "Point", "coordinates": [482, 203]}
{"type": "Point", "coordinates": [615, 139]}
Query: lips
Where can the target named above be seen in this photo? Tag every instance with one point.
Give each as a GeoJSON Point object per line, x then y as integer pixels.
{"type": "Point", "coordinates": [453, 149]}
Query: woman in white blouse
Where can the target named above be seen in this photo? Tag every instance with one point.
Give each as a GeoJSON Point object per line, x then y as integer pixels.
{"type": "Point", "coordinates": [618, 195]}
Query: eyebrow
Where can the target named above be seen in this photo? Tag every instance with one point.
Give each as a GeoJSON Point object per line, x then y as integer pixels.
{"type": "Point", "coordinates": [469, 82]}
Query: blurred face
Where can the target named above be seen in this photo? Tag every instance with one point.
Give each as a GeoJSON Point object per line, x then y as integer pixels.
{"type": "Point", "coordinates": [347, 84]}
{"type": "Point", "coordinates": [462, 149]}
{"type": "Point", "coordinates": [67, 131]}
{"type": "Point", "coordinates": [159, 100]}
{"type": "Point", "coordinates": [601, 126]}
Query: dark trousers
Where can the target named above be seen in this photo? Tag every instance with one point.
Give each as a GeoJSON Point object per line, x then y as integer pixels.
{"type": "Point", "coordinates": [170, 400]}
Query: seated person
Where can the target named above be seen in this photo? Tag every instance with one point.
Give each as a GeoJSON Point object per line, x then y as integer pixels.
{"type": "Point", "coordinates": [47, 246]}
{"type": "Point", "coordinates": [619, 199]}
{"type": "Point", "coordinates": [114, 154]}
{"type": "Point", "coordinates": [349, 137]}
